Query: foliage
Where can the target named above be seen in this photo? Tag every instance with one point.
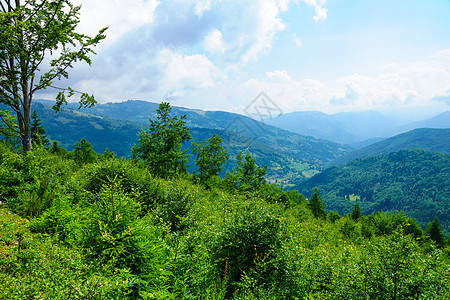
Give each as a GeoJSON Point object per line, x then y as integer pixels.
{"type": "Point", "coordinates": [160, 146]}
{"type": "Point", "coordinates": [84, 152]}
{"type": "Point", "coordinates": [316, 205]}
{"type": "Point", "coordinates": [248, 177]}
{"type": "Point", "coordinates": [38, 132]}
{"type": "Point", "coordinates": [110, 229]}
{"type": "Point", "coordinates": [210, 157]}
{"type": "Point", "coordinates": [29, 31]}
{"type": "Point", "coordinates": [413, 181]}
{"type": "Point", "coordinates": [356, 213]}
{"type": "Point", "coordinates": [434, 233]}
{"type": "Point", "coordinates": [9, 129]}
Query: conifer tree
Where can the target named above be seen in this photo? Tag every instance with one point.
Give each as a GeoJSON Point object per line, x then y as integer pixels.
{"type": "Point", "coordinates": [434, 232]}
{"type": "Point", "coordinates": [356, 213]}
{"type": "Point", "coordinates": [316, 205]}
{"type": "Point", "coordinates": [248, 176]}
{"type": "Point", "coordinates": [38, 132]}
{"type": "Point", "coordinates": [84, 152]}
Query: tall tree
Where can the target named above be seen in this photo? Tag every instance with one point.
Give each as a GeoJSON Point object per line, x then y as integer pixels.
{"type": "Point", "coordinates": [248, 176]}
{"type": "Point", "coordinates": [356, 213]}
{"type": "Point", "coordinates": [210, 157]}
{"type": "Point", "coordinates": [434, 232]}
{"type": "Point", "coordinates": [316, 205]}
{"type": "Point", "coordinates": [29, 31]}
{"type": "Point", "coordinates": [84, 153]}
{"type": "Point", "coordinates": [160, 146]}
{"type": "Point", "coordinates": [38, 133]}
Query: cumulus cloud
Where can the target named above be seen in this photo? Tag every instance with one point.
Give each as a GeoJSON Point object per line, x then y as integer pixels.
{"type": "Point", "coordinates": [417, 84]}
{"type": "Point", "coordinates": [197, 53]}
{"type": "Point", "coordinates": [319, 7]}
{"type": "Point", "coordinates": [120, 16]}
{"type": "Point", "coordinates": [188, 72]}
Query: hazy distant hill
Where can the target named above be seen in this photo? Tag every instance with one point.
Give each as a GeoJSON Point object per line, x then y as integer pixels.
{"type": "Point", "coordinates": [439, 121]}
{"type": "Point", "coordinates": [414, 181]}
{"type": "Point", "coordinates": [423, 138]}
{"type": "Point", "coordinates": [344, 128]}
{"type": "Point", "coordinates": [290, 157]}
{"type": "Point", "coordinates": [351, 127]}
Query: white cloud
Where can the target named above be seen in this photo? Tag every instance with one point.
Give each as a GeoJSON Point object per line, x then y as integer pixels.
{"type": "Point", "coordinates": [202, 6]}
{"type": "Point", "coordinates": [297, 41]}
{"type": "Point", "coordinates": [269, 23]}
{"type": "Point", "coordinates": [214, 42]}
{"type": "Point", "coordinates": [120, 16]}
{"type": "Point", "coordinates": [319, 7]}
{"type": "Point", "coordinates": [188, 72]}
{"type": "Point", "coordinates": [418, 84]}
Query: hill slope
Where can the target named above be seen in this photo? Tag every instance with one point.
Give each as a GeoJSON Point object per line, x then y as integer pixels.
{"type": "Point", "coordinates": [290, 157]}
{"type": "Point", "coordinates": [437, 140]}
{"type": "Point", "coordinates": [415, 181]}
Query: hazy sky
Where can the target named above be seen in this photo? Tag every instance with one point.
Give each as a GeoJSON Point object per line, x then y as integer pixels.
{"type": "Point", "coordinates": [335, 55]}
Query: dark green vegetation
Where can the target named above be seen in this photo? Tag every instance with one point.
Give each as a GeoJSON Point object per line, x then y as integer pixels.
{"type": "Point", "coordinates": [431, 139]}
{"type": "Point", "coordinates": [416, 182]}
{"type": "Point", "coordinates": [110, 229]}
{"type": "Point", "coordinates": [70, 126]}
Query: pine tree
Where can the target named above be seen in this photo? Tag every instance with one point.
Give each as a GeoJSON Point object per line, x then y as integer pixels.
{"type": "Point", "coordinates": [356, 213]}
{"type": "Point", "coordinates": [248, 177]}
{"type": "Point", "coordinates": [316, 205]}
{"type": "Point", "coordinates": [84, 152]}
{"type": "Point", "coordinates": [434, 232]}
{"type": "Point", "coordinates": [38, 132]}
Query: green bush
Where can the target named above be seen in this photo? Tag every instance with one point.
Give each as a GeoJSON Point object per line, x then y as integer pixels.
{"type": "Point", "coordinates": [247, 246]}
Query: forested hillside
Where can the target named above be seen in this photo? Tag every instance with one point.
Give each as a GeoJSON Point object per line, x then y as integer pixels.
{"type": "Point", "coordinates": [414, 181]}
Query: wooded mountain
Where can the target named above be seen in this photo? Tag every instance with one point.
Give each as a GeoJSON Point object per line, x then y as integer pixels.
{"type": "Point", "coordinates": [290, 157]}
{"type": "Point", "coordinates": [414, 181]}
{"type": "Point", "coordinates": [437, 140]}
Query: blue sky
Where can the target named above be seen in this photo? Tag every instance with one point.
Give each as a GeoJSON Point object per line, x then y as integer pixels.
{"type": "Point", "coordinates": [332, 56]}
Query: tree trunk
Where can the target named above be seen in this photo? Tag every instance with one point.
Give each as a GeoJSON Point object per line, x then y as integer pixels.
{"type": "Point", "coordinates": [26, 137]}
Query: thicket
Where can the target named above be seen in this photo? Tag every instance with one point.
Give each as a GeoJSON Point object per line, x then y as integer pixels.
{"type": "Point", "coordinates": [110, 229]}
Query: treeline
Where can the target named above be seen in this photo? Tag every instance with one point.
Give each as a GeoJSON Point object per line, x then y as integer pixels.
{"type": "Point", "coordinates": [87, 225]}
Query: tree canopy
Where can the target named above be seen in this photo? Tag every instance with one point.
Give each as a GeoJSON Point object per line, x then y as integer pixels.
{"type": "Point", "coordinates": [30, 32]}
{"type": "Point", "coordinates": [210, 157]}
{"type": "Point", "coordinates": [160, 146]}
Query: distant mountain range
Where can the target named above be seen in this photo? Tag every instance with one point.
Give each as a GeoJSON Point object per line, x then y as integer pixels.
{"type": "Point", "coordinates": [431, 139]}
{"type": "Point", "coordinates": [351, 128]}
